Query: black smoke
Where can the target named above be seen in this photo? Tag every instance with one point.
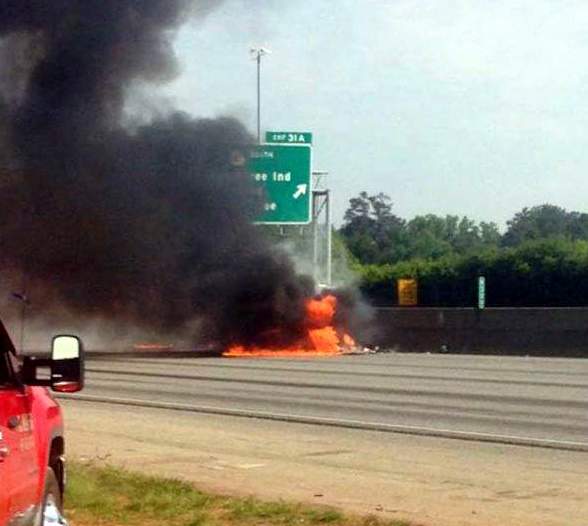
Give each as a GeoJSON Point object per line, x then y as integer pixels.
{"type": "Point", "coordinates": [146, 224]}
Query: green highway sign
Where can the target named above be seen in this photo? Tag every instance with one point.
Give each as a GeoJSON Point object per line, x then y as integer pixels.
{"type": "Point", "coordinates": [281, 137]}
{"type": "Point", "coordinates": [285, 177]}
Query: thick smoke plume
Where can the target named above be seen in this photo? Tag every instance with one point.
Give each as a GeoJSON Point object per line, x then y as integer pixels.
{"type": "Point", "coordinates": [149, 225]}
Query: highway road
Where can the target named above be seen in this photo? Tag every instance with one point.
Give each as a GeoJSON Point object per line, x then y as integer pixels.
{"type": "Point", "coordinates": [532, 401]}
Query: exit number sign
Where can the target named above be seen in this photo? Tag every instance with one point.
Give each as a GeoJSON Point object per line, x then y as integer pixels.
{"type": "Point", "coordinates": [281, 137]}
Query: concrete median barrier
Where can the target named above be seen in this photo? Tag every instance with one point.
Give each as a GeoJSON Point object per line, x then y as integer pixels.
{"type": "Point", "coordinates": [510, 331]}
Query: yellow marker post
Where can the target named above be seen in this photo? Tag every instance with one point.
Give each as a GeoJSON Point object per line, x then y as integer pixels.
{"type": "Point", "coordinates": [407, 292]}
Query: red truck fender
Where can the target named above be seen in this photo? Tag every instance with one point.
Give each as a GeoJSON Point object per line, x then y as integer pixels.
{"type": "Point", "coordinates": [48, 431]}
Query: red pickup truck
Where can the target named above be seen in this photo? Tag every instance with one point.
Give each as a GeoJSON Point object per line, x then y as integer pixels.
{"type": "Point", "coordinates": [32, 445]}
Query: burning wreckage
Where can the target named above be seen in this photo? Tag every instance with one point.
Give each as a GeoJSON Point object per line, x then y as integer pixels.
{"type": "Point", "coordinates": [321, 336]}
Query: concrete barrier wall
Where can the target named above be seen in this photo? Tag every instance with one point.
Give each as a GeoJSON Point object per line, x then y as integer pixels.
{"type": "Point", "coordinates": [516, 331]}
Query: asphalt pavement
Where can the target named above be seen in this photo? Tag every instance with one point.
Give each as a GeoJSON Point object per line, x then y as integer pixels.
{"type": "Point", "coordinates": [535, 401]}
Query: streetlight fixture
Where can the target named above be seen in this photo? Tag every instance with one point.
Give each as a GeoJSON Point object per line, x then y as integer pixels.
{"type": "Point", "coordinates": [256, 54]}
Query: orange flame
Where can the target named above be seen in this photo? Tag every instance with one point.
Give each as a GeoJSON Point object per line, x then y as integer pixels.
{"type": "Point", "coordinates": [321, 336]}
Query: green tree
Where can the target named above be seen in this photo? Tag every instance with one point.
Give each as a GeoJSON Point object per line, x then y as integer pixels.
{"type": "Point", "coordinates": [372, 232]}
{"type": "Point", "coordinates": [374, 235]}
{"type": "Point", "coordinates": [538, 222]}
{"type": "Point", "coordinates": [431, 236]}
{"type": "Point", "coordinates": [578, 227]}
{"type": "Point", "coordinates": [489, 234]}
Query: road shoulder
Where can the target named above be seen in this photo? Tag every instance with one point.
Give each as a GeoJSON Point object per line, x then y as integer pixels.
{"type": "Point", "coordinates": [432, 481]}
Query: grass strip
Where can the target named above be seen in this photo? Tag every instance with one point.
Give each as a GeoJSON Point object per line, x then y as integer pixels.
{"type": "Point", "coordinates": [110, 496]}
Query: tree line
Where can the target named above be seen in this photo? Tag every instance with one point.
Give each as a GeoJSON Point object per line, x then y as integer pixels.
{"type": "Point", "coordinates": [540, 260]}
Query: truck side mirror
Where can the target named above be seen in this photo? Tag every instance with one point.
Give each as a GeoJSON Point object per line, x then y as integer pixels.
{"type": "Point", "coordinates": [67, 364]}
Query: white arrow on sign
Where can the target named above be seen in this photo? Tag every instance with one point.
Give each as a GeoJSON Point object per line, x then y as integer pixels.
{"type": "Point", "coordinates": [300, 190]}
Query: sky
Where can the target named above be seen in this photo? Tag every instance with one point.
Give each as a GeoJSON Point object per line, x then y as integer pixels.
{"type": "Point", "coordinates": [471, 107]}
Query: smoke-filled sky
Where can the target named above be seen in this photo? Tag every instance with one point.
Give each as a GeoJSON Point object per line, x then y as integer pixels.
{"type": "Point", "coordinates": [116, 204]}
{"type": "Point", "coordinates": [462, 107]}
{"type": "Point", "coordinates": [143, 221]}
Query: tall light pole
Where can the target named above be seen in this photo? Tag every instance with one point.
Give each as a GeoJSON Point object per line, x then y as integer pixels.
{"type": "Point", "coordinates": [256, 54]}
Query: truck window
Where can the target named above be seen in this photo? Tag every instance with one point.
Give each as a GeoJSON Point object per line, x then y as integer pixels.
{"type": "Point", "coordinates": [4, 374]}
{"type": "Point", "coordinates": [6, 347]}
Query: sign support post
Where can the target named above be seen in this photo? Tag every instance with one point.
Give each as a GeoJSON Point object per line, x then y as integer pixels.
{"type": "Point", "coordinates": [329, 240]}
{"type": "Point", "coordinates": [315, 236]}
{"type": "Point", "coordinates": [481, 293]}
{"type": "Point", "coordinates": [322, 236]}
{"type": "Point", "coordinates": [321, 205]}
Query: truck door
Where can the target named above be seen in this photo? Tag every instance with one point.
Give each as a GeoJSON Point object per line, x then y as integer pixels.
{"type": "Point", "coordinates": [18, 463]}
{"type": "Point", "coordinates": [5, 392]}
{"type": "Point", "coordinates": [4, 469]}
